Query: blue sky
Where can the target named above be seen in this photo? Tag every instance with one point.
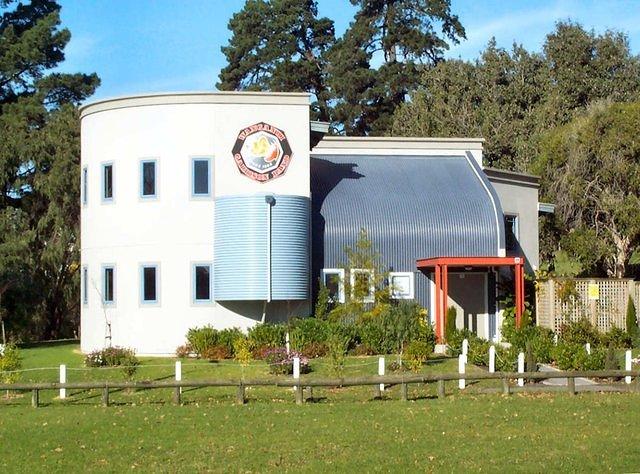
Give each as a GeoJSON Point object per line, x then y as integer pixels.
{"type": "Point", "coordinates": [169, 45]}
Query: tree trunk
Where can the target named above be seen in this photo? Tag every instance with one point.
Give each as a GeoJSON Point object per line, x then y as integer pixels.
{"type": "Point", "coordinates": [618, 264]}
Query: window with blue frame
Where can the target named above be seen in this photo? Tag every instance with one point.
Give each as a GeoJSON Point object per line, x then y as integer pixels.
{"type": "Point", "coordinates": [107, 182]}
{"type": "Point", "coordinates": [202, 282]}
{"type": "Point", "coordinates": [511, 233]}
{"type": "Point", "coordinates": [201, 177]}
{"type": "Point", "coordinates": [108, 284]}
{"type": "Point", "coordinates": [148, 179]}
{"type": "Point", "coordinates": [149, 283]}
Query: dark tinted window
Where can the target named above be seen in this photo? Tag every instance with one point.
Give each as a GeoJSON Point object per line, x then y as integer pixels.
{"type": "Point", "coordinates": [200, 177]}
{"type": "Point", "coordinates": [149, 284]}
{"type": "Point", "coordinates": [203, 283]}
{"type": "Point", "coordinates": [85, 286]}
{"type": "Point", "coordinates": [332, 282]}
{"type": "Point", "coordinates": [85, 185]}
{"type": "Point", "coordinates": [108, 182]}
{"type": "Point", "coordinates": [108, 285]}
{"type": "Point", "coordinates": [149, 178]}
{"type": "Point", "coordinates": [511, 233]}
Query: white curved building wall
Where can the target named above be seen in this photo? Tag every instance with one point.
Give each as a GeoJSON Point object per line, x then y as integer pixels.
{"type": "Point", "coordinates": [173, 230]}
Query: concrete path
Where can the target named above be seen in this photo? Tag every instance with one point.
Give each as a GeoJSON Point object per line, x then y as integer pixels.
{"type": "Point", "coordinates": [563, 381]}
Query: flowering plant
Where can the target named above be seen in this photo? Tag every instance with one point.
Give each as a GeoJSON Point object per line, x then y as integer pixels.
{"type": "Point", "coordinates": [281, 363]}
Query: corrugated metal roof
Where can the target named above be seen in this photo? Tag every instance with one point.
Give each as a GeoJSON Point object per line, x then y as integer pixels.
{"type": "Point", "coordinates": [412, 207]}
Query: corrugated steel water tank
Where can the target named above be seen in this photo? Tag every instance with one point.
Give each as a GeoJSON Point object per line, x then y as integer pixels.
{"type": "Point", "coordinates": [246, 267]}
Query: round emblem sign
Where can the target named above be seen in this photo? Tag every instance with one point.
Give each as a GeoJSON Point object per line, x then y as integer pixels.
{"type": "Point", "coordinates": [262, 152]}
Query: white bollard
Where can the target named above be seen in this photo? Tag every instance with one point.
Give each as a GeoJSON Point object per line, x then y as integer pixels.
{"type": "Point", "coordinates": [381, 371]}
{"type": "Point", "coordinates": [627, 365]}
{"type": "Point", "coordinates": [179, 372]}
{"type": "Point", "coordinates": [465, 347]}
{"type": "Point", "coordinates": [296, 369]}
{"type": "Point", "coordinates": [63, 379]}
{"type": "Point", "coordinates": [461, 369]}
{"type": "Point", "coordinates": [286, 341]}
{"type": "Point", "coordinates": [555, 339]}
{"type": "Point", "coordinates": [492, 359]}
{"type": "Point", "coordinates": [521, 368]}
{"type": "Point", "coordinates": [587, 347]}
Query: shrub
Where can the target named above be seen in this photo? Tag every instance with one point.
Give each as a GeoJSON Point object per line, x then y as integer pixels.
{"type": "Point", "coordinates": [202, 338]}
{"type": "Point", "coordinates": [574, 357]}
{"type": "Point", "coordinates": [337, 345]}
{"type": "Point", "coordinates": [217, 352]}
{"type": "Point", "coordinates": [315, 349]}
{"type": "Point", "coordinates": [611, 360]}
{"type": "Point", "coordinates": [416, 354]}
{"type": "Point", "coordinates": [580, 332]}
{"type": "Point", "coordinates": [618, 338]}
{"type": "Point", "coordinates": [114, 357]}
{"type": "Point", "coordinates": [363, 350]}
{"type": "Point", "coordinates": [263, 336]}
{"type": "Point", "coordinates": [10, 361]}
{"type": "Point", "coordinates": [305, 331]}
{"type": "Point", "coordinates": [478, 350]}
{"type": "Point", "coordinates": [631, 321]}
{"type": "Point", "coordinates": [450, 323]}
{"type": "Point", "coordinates": [323, 303]}
{"type": "Point", "coordinates": [393, 326]}
{"type": "Point", "coordinates": [227, 337]}
{"type": "Point", "coordinates": [242, 350]}
{"type": "Point", "coordinates": [281, 363]}
{"type": "Point", "coordinates": [454, 341]}
{"type": "Point", "coordinates": [184, 351]}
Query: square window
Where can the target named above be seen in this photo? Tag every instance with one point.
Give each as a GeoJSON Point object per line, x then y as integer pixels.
{"type": "Point", "coordinates": [362, 285]}
{"type": "Point", "coordinates": [202, 283]}
{"type": "Point", "coordinates": [401, 285]}
{"type": "Point", "coordinates": [107, 182]}
{"type": "Point", "coordinates": [148, 179]}
{"type": "Point", "coordinates": [149, 284]}
{"type": "Point", "coordinates": [201, 177]}
{"type": "Point", "coordinates": [333, 279]}
{"type": "Point", "coordinates": [108, 284]}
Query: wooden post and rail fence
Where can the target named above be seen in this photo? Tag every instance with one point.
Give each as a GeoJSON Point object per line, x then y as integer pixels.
{"type": "Point", "coordinates": [376, 381]}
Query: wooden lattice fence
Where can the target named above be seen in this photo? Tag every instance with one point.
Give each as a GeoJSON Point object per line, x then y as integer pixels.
{"type": "Point", "coordinates": [559, 301]}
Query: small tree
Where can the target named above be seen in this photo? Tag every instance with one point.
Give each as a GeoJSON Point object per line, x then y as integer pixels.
{"type": "Point", "coordinates": [323, 303]}
{"type": "Point", "coordinates": [450, 324]}
{"type": "Point", "coordinates": [632, 323]}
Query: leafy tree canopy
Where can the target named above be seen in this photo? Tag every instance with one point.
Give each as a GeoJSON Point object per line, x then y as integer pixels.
{"type": "Point", "coordinates": [591, 169]}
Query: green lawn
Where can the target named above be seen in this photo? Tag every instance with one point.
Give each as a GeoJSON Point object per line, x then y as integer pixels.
{"type": "Point", "coordinates": [344, 430]}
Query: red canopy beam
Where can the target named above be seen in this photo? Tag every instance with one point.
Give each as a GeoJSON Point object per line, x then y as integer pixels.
{"type": "Point", "coordinates": [445, 300]}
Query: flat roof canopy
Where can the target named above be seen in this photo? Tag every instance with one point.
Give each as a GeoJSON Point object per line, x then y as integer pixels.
{"type": "Point", "coordinates": [440, 267]}
{"type": "Point", "coordinates": [469, 262]}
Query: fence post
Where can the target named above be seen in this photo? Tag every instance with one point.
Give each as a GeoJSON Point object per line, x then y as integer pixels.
{"type": "Point", "coordinates": [521, 368]}
{"type": "Point", "coordinates": [179, 373]}
{"type": "Point", "coordinates": [571, 385]}
{"type": "Point", "coordinates": [381, 366]}
{"type": "Point", "coordinates": [286, 342]}
{"type": "Point", "coordinates": [35, 398]}
{"type": "Point", "coordinates": [462, 359]}
{"type": "Point", "coordinates": [506, 390]}
{"type": "Point", "coordinates": [105, 396]}
{"type": "Point", "coordinates": [492, 359]}
{"type": "Point", "coordinates": [587, 347]}
{"type": "Point", "coordinates": [404, 389]}
{"type": "Point", "coordinates": [441, 393]}
{"type": "Point", "coordinates": [555, 338]}
{"type": "Point", "coordinates": [627, 365]}
{"type": "Point", "coordinates": [296, 375]}
{"type": "Point", "coordinates": [63, 379]}
{"type": "Point", "coordinates": [240, 394]}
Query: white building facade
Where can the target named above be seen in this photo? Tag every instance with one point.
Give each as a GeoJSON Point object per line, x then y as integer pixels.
{"type": "Point", "coordinates": [197, 209]}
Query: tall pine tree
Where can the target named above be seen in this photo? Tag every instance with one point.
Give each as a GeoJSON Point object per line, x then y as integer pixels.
{"type": "Point", "coordinates": [382, 55]}
{"type": "Point", "coordinates": [39, 171]}
{"type": "Point", "coordinates": [279, 45]}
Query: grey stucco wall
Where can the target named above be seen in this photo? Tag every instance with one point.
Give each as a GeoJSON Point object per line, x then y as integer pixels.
{"type": "Point", "coordinates": [518, 195]}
